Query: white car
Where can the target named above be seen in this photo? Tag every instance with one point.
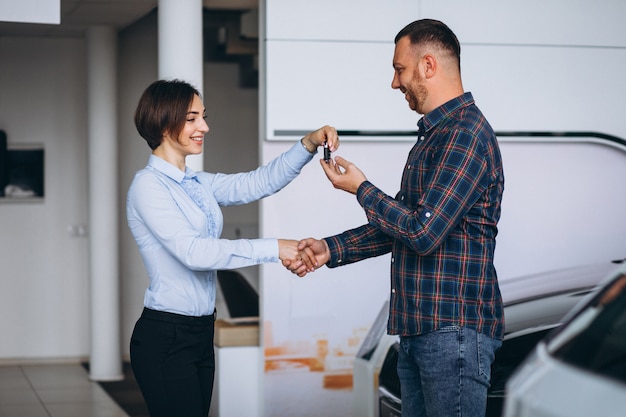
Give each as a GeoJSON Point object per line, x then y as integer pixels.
{"type": "Point", "coordinates": [534, 305]}
{"type": "Point", "coordinates": [580, 368]}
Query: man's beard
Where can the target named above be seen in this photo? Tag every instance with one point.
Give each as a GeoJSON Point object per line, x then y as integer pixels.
{"type": "Point", "coordinates": [417, 98]}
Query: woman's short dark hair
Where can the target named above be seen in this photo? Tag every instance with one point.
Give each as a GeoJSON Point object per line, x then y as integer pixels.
{"type": "Point", "coordinates": [434, 32]}
{"type": "Point", "coordinates": [162, 109]}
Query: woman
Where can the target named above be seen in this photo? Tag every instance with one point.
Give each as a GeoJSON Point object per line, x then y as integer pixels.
{"type": "Point", "coordinates": [174, 216]}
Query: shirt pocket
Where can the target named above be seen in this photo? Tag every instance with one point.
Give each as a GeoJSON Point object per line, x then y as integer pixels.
{"type": "Point", "coordinates": [419, 172]}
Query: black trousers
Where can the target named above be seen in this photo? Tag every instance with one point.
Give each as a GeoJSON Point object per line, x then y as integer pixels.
{"type": "Point", "coordinates": [173, 361]}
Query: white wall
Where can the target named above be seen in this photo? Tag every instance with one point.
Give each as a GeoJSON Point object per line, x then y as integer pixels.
{"type": "Point", "coordinates": [43, 269]}
{"type": "Point", "coordinates": [530, 67]}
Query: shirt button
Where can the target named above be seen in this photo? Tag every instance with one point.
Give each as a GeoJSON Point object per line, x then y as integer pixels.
{"type": "Point", "coordinates": [402, 198]}
{"type": "Point", "coordinates": [421, 137]}
{"type": "Point", "coordinates": [393, 290]}
{"type": "Point", "coordinates": [427, 214]}
{"type": "Point", "coordinates": [408, 167]}
{"type": "Point", "coordinates": [392, 260]}
{"type": "Point", "coordinates": [339, 261]}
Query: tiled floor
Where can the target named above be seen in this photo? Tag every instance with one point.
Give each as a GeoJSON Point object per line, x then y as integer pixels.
{"type": "Point", "coordinates": [58, 390]}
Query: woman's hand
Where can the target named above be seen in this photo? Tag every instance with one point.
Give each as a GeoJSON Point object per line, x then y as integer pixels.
{"type": "Point", "coordinates": [313, 255]}
{"type": "Point", "coordinates": [288, 250]}
{"type": "Point", "coordinates": [317, 138]}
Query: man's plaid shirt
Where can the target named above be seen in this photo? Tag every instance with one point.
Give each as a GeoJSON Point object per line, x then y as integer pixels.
{"type": "Point", "coordinates": [440, 228]}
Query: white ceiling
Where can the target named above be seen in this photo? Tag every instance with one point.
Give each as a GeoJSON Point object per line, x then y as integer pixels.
{"type": "Point", "coordinates": [77, 15]}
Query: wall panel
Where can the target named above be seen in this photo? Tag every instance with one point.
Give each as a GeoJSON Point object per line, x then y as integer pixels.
{"type": "Point", "coordinates": [347, 20]}
{"type": "Point", "coordinates": [315, 83]}
{"type": "Point", "coordinates": [532, 22]}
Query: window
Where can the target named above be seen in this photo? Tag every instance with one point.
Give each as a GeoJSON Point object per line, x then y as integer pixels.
{"type": "Point", "coordinates": [595, 339]}
{"type": "Point", "coordinates": [21, 170]}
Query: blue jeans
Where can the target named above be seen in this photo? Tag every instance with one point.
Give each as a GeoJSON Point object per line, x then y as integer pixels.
{"type": "Point", "coordinates": [446, 373]}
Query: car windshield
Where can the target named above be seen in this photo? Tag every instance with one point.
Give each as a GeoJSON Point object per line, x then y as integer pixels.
{"type": "Point", "coordinates": [595, 338]}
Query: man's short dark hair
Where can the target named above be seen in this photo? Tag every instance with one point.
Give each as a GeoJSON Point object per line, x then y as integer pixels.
{"type": "Point", "coordinates": [434, 32]}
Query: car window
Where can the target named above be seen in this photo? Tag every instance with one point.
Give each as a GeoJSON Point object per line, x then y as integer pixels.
{"type": "Point", "coordinates": [595, 339]}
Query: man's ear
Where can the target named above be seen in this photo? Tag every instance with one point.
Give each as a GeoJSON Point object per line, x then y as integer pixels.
{"type": "Point", "coordinates": [429, 63]}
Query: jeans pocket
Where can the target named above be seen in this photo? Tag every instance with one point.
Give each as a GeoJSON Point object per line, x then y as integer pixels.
{"type": "Point", "coordinates": [487, 348]}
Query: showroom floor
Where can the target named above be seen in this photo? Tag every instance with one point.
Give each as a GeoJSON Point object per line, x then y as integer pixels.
{"type": "Point", "coordinates": [58, 390]}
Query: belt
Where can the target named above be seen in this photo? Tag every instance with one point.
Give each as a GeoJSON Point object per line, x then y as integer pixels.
{"type": "Point", "coordinates": [177, 318]}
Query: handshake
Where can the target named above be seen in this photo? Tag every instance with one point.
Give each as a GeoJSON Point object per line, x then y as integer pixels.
{"type": "Point", "coordinates": [304, 256]}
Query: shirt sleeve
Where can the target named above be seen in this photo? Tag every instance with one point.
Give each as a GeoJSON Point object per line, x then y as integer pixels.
{"type": "Point", "coordinates": [159, 223]}
{"type": "Point", "coordinates": [242, 188]}
{"type": "Point", "coordinates": [357, 244]}
{"type": "Point", "coordinates": [454, 186]}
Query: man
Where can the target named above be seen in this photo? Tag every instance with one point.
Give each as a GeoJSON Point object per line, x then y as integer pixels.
{"type": "Point", "coordinates": [445, 302]}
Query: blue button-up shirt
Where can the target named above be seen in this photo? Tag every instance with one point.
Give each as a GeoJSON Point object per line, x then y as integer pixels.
{"type": "Point", "coordinates": [440, 228]}
{"type": "Point", "coordinates": [180, 242]}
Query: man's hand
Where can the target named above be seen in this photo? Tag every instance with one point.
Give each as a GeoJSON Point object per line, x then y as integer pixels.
{"type": "Point", "coordinates": [343, 174]}
{"type": "Point", "coordinates": [312, 254]}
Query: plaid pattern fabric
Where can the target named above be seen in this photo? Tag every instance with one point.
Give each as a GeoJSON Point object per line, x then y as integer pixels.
{"type": "Point", "coordinates": [440, 228]}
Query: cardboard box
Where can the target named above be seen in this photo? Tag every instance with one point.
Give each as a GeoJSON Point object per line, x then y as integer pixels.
{"type": "Point", "coordinates": [236, 333]}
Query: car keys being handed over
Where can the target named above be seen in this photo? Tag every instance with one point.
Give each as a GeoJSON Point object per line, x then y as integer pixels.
{"type": "Point", "coordinates": [326, 152]}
